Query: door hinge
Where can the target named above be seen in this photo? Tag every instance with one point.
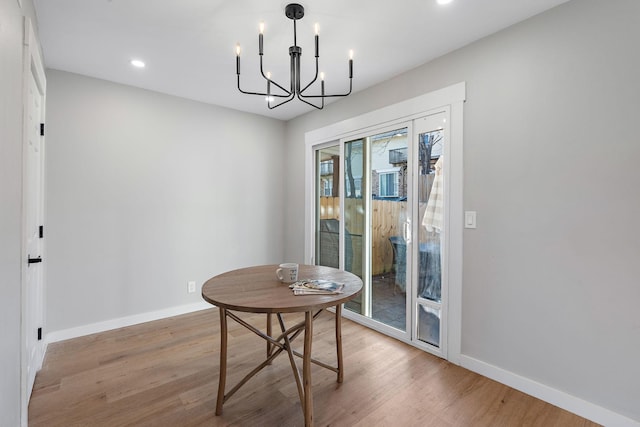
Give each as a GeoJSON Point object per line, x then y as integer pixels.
{"type": "Point", "coordinates": [41, 129]}
{"type": "Point", "coordinates": [41, 231]}
{"type": "Point", "coordinates": [39, 334]}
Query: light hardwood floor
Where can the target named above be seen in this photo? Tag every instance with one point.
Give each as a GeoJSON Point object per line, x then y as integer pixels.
{"type": "Point", "coordinates": [164, 373]}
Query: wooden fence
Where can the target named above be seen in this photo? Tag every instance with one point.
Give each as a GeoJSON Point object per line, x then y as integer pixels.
{"type": "Point", "coordinates": [387, 218]}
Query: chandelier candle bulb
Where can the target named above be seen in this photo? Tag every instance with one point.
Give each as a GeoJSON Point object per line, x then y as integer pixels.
{"type": "Point", "coordinates": [260, 39]}
{"type": "Point", "coordinates": [317, 40]}
{"type": "Point", "coordinates": [238, 59]}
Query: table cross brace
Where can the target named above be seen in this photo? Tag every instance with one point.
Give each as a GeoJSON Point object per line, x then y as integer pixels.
{"type": "Point", "coordinates": [287, 335]}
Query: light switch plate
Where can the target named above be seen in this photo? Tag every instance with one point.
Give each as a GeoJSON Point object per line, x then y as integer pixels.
{"type": "Point", "coordinates": [470, 219]}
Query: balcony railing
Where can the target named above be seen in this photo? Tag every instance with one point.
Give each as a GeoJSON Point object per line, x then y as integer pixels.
{"type": "Point", "coordinates": [398, 155]}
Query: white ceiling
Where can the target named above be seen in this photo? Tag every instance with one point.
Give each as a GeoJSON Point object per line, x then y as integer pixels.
{"type": "Point", "coordinates": [189, 45]}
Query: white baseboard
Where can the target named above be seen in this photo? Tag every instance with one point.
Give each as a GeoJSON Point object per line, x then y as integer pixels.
{"type": "Point", "coordinates": [551, 395]}
{"type": "Point", "coordinates": [107, 325]}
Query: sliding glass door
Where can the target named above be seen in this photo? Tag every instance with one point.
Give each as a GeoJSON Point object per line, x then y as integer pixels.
{"type": "Point", "coordinates": [384, 201]}
{"type": "Point", "coordinates": [387, 196]}
{"type": "Point", "coordinates": [367, 225]}
{"type": "Point", "coordinates": [381, 205]}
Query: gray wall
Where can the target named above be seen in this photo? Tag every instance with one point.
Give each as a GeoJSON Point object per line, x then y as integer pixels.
{"type": "Point", "coordinates": [147, 191]}
{"type": "Point", "coordinates": [550, 288]}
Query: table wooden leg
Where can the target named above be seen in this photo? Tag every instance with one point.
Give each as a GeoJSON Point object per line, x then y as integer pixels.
{"type": "Point", "coordinates": [223, 360]}
{"type": "Point", "coordinates": [306, 369]}
{"type": "Point", "coordinates": [339, 341]}
{"type": "Point", "coordinates": [270, 347]}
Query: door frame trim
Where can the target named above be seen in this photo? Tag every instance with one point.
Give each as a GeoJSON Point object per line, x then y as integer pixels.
{"type": "Point", "coordinates": [452, 96]}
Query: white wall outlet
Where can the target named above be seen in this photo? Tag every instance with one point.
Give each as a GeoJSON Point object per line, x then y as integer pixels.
{"type": "Point", "coordinates": [191, 287]}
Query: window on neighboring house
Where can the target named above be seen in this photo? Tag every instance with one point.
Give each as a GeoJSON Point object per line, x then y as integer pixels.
{"type": "Point", "coordinates": [388, 183]}
{"type": "Point", "coordinates": [357, 185]}
{"type": "Point", "coordinates": [327, 184]}
{"type": "Point", "coordinates": [326, 167]}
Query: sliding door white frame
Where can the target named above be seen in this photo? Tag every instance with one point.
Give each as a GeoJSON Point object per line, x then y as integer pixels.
{"type": "Point", "coordinates": [452, 97]}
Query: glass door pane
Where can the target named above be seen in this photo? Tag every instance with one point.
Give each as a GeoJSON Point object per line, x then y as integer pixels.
{"type": "Point", "coordinates": [354, 214]}
{"type": "Point", "coordinates": [389, 177]}
{"type": "Point", "coordinates": [328, 206]}
{"type": "Point", "coordinates": [431, 205]}
{"type": "Point", "coordinates": [375, 210]}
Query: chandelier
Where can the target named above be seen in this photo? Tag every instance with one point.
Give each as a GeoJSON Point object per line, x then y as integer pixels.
{"type": "Point", "coordinates": [294, 12]}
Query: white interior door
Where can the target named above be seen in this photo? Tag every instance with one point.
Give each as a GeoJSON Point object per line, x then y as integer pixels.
{"type": "Point", "coordinates": [33, 192]}
{"type": "Point", "coordinates": [33, 217]}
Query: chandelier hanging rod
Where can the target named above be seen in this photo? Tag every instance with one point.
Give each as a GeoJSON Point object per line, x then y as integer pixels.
{"type": "Point", "coordinates": [293, 11]}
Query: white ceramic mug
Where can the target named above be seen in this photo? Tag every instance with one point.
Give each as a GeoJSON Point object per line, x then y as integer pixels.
{"type": "Point", "coordinates": [287, 272]}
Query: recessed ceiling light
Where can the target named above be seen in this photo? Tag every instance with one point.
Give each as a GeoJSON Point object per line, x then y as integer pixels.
{"type": "Point", "coordinates": [444, 1]}
{"type": "Point", "coordinates": [137, 63]}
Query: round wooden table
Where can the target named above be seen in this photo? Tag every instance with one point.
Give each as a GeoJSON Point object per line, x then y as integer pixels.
{"type": "Point", "coordinates": [257, 290]}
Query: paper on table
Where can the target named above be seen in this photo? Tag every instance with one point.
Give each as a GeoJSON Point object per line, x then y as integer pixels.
{"type": "Point", "coordinates": [314, 287]}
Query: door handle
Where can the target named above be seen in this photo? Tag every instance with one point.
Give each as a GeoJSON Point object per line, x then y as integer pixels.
{"type": "Point", "coordinates": [407, 231]}
{"type": "Point", "coordinates": [33, 260]}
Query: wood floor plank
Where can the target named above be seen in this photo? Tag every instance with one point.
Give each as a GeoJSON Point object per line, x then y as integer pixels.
{"type": "Point", "coordinates": [165, 373]}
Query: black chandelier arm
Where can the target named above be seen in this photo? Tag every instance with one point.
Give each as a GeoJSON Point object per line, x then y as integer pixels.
{"type": "Point", "coordinates": [288, 93]}
{"type": "Point", "coordinates": [314, 78]}
{"type": "Point", "coordinates": [246, 92]}
{"type": "Point", "coordinates": [301, 98]}
{"type": "Point", "coordinates": [271, 107]}
{"type": "Point", "coordinates": [330, 96]}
